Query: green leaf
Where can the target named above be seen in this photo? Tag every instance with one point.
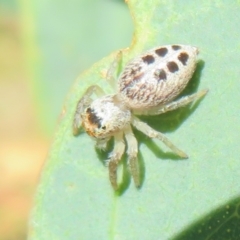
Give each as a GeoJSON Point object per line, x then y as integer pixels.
{"type": "Point", "coordinates": [75, 199]}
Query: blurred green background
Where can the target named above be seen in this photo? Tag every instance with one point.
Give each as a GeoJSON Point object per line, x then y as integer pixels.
{"type": "Point", "coordinates": [44, 45]}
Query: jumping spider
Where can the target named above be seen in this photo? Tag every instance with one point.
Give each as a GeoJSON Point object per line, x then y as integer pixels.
{"type": "Point", "coordinates": [147, 86]}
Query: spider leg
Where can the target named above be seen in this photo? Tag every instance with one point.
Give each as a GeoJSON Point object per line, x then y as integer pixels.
{"type": "Point", "coordinates": [143, 127]}
{"type": "Point", "coordinates": [110, 73]}
{"type": "Point", "coordinates": [82, 104]}
{"type": "Point", "coordinates": [132, 153]}
{"type": "Point", "coordinates": [115, 158]}
{"type": "Point", "coordinates": [173, 105]}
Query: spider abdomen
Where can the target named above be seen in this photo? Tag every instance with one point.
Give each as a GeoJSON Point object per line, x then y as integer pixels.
{"type": "Point", "coordinates": [157, 76]}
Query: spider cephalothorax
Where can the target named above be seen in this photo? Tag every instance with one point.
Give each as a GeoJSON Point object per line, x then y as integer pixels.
{"type": "Point", "coordinates": [105, 116]}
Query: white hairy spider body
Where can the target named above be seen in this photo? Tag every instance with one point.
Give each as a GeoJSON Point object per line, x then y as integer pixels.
{"type": "Point", "coordinates": [147, 86]}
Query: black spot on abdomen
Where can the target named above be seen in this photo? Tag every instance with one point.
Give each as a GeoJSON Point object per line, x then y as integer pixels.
{"type": "Point", "coordinates": [160, 74]}
{"type": "Point", "coordinates": [148, 59]}
{"type": "Point", "coordinates": [176, 47]}
{"type": "Point", "coordinates": [183, 58]}
{"type": "Point", "coordinates": [172, 67]}
{"type": "Point", "coordinates": [161, 52]}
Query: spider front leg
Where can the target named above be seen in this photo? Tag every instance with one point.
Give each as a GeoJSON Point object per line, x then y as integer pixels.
{"type": "Point", "coordinates": [84, 102]}
{"type": "Point", "coordinates": [132, 155]}
{"type": "Point", "coordinates": [143, 127]}
{"type": "Point", "coordinates": [115, 158]}
{"type": "Point", "coordinates": [173, 105]}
